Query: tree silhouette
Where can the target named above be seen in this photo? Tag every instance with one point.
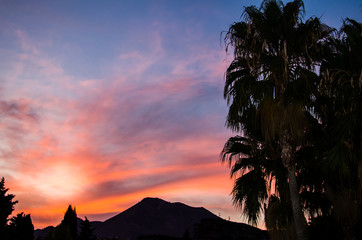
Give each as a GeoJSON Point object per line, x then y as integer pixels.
{"type": "Point", "coordinates": [70, 219]}
{"type": "Point", "coordinates": [21, 227]}
{"type": "Point", "coordinates": [67, 229]}
{"type": "Point", "coordinates": [269, 86]}
{"type": "Point", "coordinates": [6, 206]}
{"type": "Point", "coordinates": [86, 231]}
{"type": "Point", "coordinates": [339, 108]}
{"type": "Point", "coordinates": [70, 222]}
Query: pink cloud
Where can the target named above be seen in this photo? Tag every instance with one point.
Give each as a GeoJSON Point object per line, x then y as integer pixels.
{"type": "Point", "coordinates": [133, 133]}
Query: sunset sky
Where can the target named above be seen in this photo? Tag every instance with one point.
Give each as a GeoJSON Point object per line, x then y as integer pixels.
{"type": "Point", "coordinates": [104, 103]}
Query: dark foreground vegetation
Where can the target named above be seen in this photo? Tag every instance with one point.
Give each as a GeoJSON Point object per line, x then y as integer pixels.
{"type": "Point", "coordinates": [70, 228]}
{"type": "Point", "coordinates": [294, 95]}
{"type": "Point", "coordinates": [18, 227]}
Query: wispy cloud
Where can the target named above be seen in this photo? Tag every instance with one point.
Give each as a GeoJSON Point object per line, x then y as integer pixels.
{"type": "Point", "coordinates": [152, 125]}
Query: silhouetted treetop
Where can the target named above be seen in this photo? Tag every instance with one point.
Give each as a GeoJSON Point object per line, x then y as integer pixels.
{"type": "Point", "coordinates": [6, 205]}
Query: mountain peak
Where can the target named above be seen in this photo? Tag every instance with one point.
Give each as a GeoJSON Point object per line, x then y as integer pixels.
{"type": "Point", "coordinates": [152, 200]}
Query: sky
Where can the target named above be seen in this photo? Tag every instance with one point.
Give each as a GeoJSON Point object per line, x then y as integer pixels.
{"type": "Point", "coordinates": [104, 103]}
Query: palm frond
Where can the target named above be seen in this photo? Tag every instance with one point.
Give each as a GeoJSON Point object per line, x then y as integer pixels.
{"type": "Point", "coordinates": [249, 194]}
{"type": "Point", "coordinates": [234, 149]}
{"type": "Point", "coordinates": [278, 215]}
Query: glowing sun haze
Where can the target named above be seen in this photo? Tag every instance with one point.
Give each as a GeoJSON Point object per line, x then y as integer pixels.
{"type": "Point", "coordinates": [105, 103]}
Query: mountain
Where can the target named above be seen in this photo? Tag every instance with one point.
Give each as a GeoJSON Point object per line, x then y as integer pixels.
{"type": "Point", "coordinates": [156, 217]}
{"type": "Point", "coordinates": [153, 216]}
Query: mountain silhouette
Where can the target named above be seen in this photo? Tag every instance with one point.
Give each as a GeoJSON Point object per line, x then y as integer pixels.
{"type": "Point", "coordinates": [154, 216]}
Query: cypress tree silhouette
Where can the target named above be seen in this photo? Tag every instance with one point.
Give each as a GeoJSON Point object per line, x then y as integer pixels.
{"type": "Point", "coordinates": [70, 221]}
{"type": "Point", "coordinates": [67, 229]}
{"type": "Point", "coordinates": [6, 206]}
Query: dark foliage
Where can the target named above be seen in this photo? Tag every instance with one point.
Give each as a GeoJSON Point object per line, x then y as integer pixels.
{"type": "Point", "coordinates": [86, 231]}
{"type": "Point", "coordinates": [67, 229]}
{"type": "Point", "coordinates": [19, 227]}
{"type": "Point", "coordinates": [7, 206]}
{"type": "Point", "coordinates": [294, 96]}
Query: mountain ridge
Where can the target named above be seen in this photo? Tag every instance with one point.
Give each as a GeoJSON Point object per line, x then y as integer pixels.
{"type": "Point", "coordinates": [153, 216]}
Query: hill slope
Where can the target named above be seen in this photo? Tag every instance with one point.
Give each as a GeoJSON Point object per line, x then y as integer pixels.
{"type": "Point", "coordinates": [153, 216]}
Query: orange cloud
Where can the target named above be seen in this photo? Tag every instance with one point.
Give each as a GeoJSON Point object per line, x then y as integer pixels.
{"type": "Point", "coordinates": [102, 144]}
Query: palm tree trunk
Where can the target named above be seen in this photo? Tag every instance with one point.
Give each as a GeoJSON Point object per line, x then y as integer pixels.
{"type": "Point", "coordinates": [298, 216]}
{"type": "Point", "coordinates": [287, 158]}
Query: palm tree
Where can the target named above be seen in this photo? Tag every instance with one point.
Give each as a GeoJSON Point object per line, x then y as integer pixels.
{"type": "Point", "coordinates": [270, 82]}
{"type": "Point", "coordinates": [339, 109]}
